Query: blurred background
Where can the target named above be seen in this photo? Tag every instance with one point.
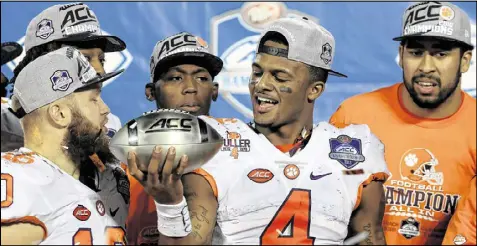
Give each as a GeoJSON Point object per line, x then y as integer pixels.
{"type": "Point", "coordinates": [363, 32]}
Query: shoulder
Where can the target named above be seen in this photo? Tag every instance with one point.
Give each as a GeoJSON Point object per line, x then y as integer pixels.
{"type": "Point", "coordinates": [361, 131]}
{"type": "Point", "coordinates": [27, 165]}
{"type": "Point", "coordinates": [356, 147]}
{"type": "Point", "coordinates": [371, 99]}
{"type": "Point", "coordinates": [23, 175]}
{"type": "Point", "coordinates": [223, 125]}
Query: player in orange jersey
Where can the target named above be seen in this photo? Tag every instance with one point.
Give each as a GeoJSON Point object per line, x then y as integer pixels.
{"type": "Point", "coordinates": [427, 124]}
{"type": "Point", "coordinates": [183, 80]}
{"type": "Point", "coordinates": [462, 229]}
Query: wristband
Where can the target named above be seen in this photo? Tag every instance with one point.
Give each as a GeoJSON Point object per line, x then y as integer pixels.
{"type": "Point", "coordinates": [173, 220]}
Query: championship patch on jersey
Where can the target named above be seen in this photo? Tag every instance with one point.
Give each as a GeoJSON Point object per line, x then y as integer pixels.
{"type": "Point", "coordinates": [122, 183]}
{"type": "Point", "coordinates": [346, 150]}
{"type": "Point", "coordinates": [409, 228]}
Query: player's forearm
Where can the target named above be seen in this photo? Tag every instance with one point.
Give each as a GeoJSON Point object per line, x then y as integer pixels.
{"type": "Point", "coordinates": [369, 215]}
{"type": "Point", "coordinates": [202, 206]}
{"type": "Point", "coordinates": [375, 234]}
{"type": "Point", "coordinates": [203, 223]}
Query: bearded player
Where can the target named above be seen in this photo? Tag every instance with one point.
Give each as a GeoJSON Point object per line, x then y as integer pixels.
{"type": "Point", "coordinates": [54, 28]}
{"type": "Point", "coordinates": [58, 98]}
{"type": "Point", "coordinates": [182, 75]}
{"type": "Point", "coordinates": [83, 33]}
{"type": "Point", "coordinates": [12, 133]}
{"type": "Point", "coordinates": [279, 180]}
{"type": "Point", "coordinates": [427, 124]}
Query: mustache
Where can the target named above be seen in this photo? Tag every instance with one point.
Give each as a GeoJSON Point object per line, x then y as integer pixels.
{"type": "Point", "coordinates": [435, 79]}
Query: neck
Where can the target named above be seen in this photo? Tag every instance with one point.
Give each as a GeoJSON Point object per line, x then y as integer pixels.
{"type": "Point", "coordinates": [285, 134]}
{"type": "Point", "coordinates": [444, 110]}
{"type": "Point", "coordinates": [56, 154]}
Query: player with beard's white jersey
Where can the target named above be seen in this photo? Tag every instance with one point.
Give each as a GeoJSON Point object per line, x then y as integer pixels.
{"type": "Point", "coordinates": [43, 200]}
{"type": "Point", "coordinates": [38, 192]}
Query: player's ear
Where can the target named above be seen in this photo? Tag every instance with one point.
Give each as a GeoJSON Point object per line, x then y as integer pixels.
{"type": "Point", "coordinates": [314, 90]}
{"type": "Point", "coordinates": [401, 50]}
{"type": "Point", "coordinates": [215, 91]}
{"type": "Point", "coordinates": [149, 91]}
{"type": "Point", "coordinates": [59, 113]}
{"type": "Point", "coordinates": [465, 61]}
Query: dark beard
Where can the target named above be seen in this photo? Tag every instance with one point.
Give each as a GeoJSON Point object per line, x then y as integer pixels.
{"type": "Point", "coordinates": [83, 142]}
{"type": "Point", "coordinates": [443, 95]}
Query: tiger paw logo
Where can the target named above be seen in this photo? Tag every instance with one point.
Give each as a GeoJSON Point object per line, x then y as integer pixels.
{"type": "Point", "coordinates": [419, 165]}
{"type": "Point", "coordinates": [235, 144]}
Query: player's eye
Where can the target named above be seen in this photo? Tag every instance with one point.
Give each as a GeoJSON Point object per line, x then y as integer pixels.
{"type": "Point", "coordinates": [203, 78]}
{"type": "Point", "coordinates": [281, 80]}
{"type": "Point", "coordinates": [441, 54]}
{"type": "Point", "coordinates": [257, 73]}
{"type": "Point", "coordinates": [416, 52]}
{"type": "Point", "coordinates": [174, 78]}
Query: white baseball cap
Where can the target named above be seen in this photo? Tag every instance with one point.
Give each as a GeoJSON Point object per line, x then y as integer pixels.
{"type": "Point", "coordinates": [183, 47]}
{"type": "Point", "coordinates": [308, 42]}
{"type": "Point", "coordinates": [53, 76]}
{"type": "Point", "coordinates": [436, 19]}
{"type": "Point", "coordinates": [73, 22]}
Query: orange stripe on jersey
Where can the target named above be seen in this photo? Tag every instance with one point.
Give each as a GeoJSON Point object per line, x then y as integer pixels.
{"type": "Point", "coordinates": [209, 179]}
{"type": "Point", "coordinates": [19, 158]}
{"type": "Point", "coordinates": [28, 219]}
{"type": "Point", "coordinates": [285, 148]}
{"type": "Point", "coordinates": [124, 167]}
{"type": "Point", "coordinates": [373, 177]}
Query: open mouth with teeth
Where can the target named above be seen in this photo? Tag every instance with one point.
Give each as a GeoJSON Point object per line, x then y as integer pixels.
{"type": "Point", "coordinates": [426, 87]}
{"type": "Point", "coordinates": [264, 105]}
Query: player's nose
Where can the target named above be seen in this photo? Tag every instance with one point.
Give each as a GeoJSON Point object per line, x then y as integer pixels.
{"type": "Point", "coordinates": [190, 86]}
{"type": "Point", "coordinates": [427, 64]}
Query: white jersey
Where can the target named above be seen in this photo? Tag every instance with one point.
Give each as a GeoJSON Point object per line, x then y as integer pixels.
{"type": "Point", "coordinates": [267, 197]}
{"type": "Point", "coordinates": [12, 132]}
{"type": "Point", "coordinates": [36, 191]}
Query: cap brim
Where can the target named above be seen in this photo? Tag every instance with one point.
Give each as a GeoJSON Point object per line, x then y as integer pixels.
{"type": "Point", "coordinates": [419, 35]}
{"type": "Point", "coordinates": [111, 43]}
{"type": "Point", "coordinates": [10, 51]}
{"type": "Point", "coordinates": [334, 73]}
{"type": "Point", "coordinates": [104, 77]}
{"type": "Point", "coordinates": [212, 63]}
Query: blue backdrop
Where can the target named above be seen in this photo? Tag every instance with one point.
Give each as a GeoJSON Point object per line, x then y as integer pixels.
{"type": "Point", "coordinates": [363, 32]}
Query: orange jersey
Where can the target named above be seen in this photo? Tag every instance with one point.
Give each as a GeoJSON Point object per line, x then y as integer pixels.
{"type": "Point", "coordinates": [141, 227]}
{"type": "Point", "coordinates": [461, 229]}
{"type": "Point", "coordinates": [431, 162]}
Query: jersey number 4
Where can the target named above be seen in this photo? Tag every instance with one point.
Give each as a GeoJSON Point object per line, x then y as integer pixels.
{"type": "Point", "coordinates": [114, 236]}
{"type": "Point", "coordinates": [294, 213]}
